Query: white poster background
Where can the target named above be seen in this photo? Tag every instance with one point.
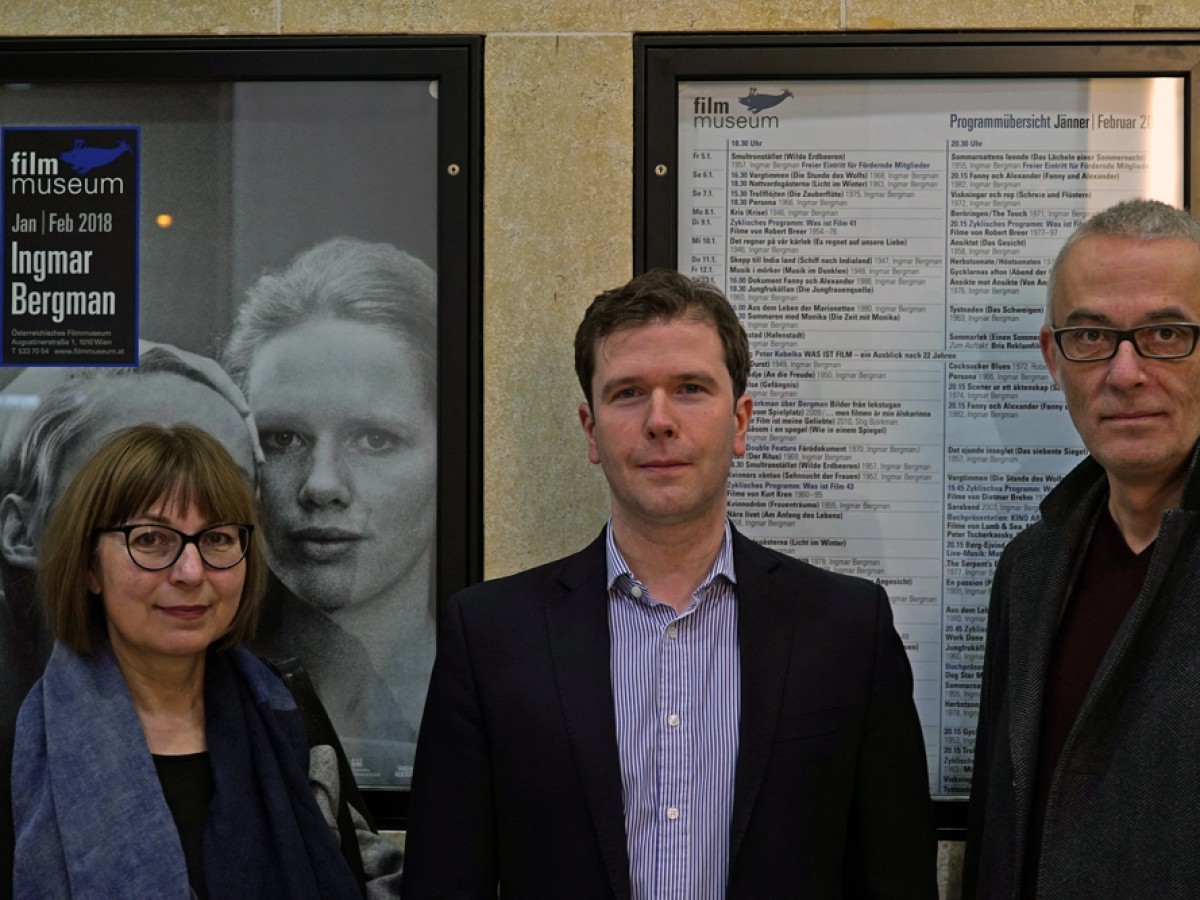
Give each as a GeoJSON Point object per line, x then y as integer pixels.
{"type": "Point", "coordinates": [886, 245]}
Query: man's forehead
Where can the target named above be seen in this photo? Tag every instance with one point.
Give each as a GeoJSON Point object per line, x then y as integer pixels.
{"type": "Point", "coordinates": [1106, 272]}
{"type": "Point", "coordinates": [1113, 250]}
{"type": "Point", "coordinates": [626, 332]}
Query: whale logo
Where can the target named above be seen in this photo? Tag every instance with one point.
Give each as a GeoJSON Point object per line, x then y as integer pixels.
{"type": "Point", "coordinates": [756, 102]}
{"type": "Point", "coordinates": [82, 158]}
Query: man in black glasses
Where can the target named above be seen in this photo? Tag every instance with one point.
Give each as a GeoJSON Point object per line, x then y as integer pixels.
{"type": "Point", "coordinates": [1087, 761]}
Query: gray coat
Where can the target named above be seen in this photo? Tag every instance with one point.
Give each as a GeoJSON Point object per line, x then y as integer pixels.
{"type": "Point", "coordinates": [1123, 816]}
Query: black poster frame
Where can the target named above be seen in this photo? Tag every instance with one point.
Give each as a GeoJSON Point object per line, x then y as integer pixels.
{"type": "Point", "coordinates": [455, 64]}
{"type": "Point", "coordinates": [663, 61]}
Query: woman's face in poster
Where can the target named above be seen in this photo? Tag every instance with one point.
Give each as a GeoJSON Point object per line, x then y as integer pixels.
{"type": "Point", "coordinates": [349, 436]}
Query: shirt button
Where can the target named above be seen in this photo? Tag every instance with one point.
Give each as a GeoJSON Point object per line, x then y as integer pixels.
{"type": "Point", "coordinates": [672, 813]}
{"type": "Point", "coordinates": [673, 720]}
{"type": "Point", "coordinates": [636, 592]}
{"type": "Point", "coordinates": [672, 630]}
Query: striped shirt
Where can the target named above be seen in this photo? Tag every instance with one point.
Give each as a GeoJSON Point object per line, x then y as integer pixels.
{"type": "Point", "coordinates": [676, 687]}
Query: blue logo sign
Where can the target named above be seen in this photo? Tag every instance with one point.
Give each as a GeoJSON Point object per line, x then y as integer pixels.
{"type": "Point", "coordinates": [82, 158]}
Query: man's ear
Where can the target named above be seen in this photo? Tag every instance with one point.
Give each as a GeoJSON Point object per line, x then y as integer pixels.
{"type": "Point", "coordinates": [16, 532]}
{"type": "Point", "coordinates": [1046, 344]}
{"type": "Point", "coordinates": [588, 421]}
{"type": "Point", "coordinates": [741, 419]}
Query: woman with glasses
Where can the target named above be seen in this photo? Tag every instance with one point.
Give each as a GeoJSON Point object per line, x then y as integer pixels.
{"type": "Point", "coordinates": [156, 757]}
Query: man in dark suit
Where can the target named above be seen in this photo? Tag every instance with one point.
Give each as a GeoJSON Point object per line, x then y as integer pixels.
{"type": "Point", "coordinates": [1085, 781]}
{"type": "Point", "coordinates": [675, 711]}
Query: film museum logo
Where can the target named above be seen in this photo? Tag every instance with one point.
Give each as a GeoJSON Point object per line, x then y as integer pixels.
{"type": "Point", "coordinates": [708, 112]}
{"type": "Point", "coordinates": [32, 173]}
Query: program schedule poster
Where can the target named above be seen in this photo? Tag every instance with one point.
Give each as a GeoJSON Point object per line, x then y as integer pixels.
{"type": "Point", "coordinates": [886, 244]}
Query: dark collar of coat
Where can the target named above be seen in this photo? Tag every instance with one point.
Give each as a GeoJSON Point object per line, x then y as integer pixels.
{"type": "Point", "coordinates": [1063, 500]}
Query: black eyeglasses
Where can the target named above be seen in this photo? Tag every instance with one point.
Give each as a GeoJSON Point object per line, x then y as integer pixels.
{"type": "Point", "coordinates": [157, 547]}
{"type": "Point", "coordinates": [1094, 343]}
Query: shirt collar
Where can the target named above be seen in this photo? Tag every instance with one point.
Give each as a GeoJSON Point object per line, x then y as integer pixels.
{"type": "Point", "coordinates": [722, 565]}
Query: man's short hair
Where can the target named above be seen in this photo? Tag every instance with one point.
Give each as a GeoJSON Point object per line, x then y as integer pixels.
{"type": "Point", "coordinates": [66, 413]}
{"type": "Point", "coordinates": [1138, 219]}
{"type": "Point", "coordinates": [661, 295]}
{"type": "Point", "coordinates": [180, 465]}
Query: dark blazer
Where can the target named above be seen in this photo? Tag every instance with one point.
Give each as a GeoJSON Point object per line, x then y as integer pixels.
{"type": "Point", "coordinates": [517, 778]}
{"type": "Point", "coordinates": [1124, 805]}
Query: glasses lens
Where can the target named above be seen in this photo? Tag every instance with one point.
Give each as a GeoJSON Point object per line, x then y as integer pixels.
{"type": "Point", "coordinates": [158, 547]}
{"type": "Point", "coordinates": [223, 545]}
{"type": "Point", "coordinates": [1087, 343]}
{"type": "Point", "coordinates": [1165, 340]}
{"type": "Point", "coordinates": [153, 547]}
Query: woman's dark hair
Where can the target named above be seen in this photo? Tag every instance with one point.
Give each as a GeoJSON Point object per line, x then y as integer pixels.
{"type": "Point", "coordinates": [178, 466]}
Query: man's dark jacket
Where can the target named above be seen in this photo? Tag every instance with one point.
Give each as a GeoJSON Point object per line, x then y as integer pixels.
{"type": "Point", "coordinates": [1123, 815]}
{"type": "Point", "coordinates": [518, 782]}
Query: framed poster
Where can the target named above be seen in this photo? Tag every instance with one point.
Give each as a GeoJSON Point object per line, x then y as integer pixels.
{"type": "Point", "coordinates": [882, 211]}
{"type": "Point", "coordinates": [278, 240]}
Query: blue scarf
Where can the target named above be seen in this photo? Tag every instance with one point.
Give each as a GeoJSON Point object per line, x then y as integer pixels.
{"type": "Point", "coordinates": [91, 821]}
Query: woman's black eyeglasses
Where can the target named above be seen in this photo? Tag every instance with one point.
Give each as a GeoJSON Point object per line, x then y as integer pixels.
{"type": "Point", "coordinates": [157, 547]}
